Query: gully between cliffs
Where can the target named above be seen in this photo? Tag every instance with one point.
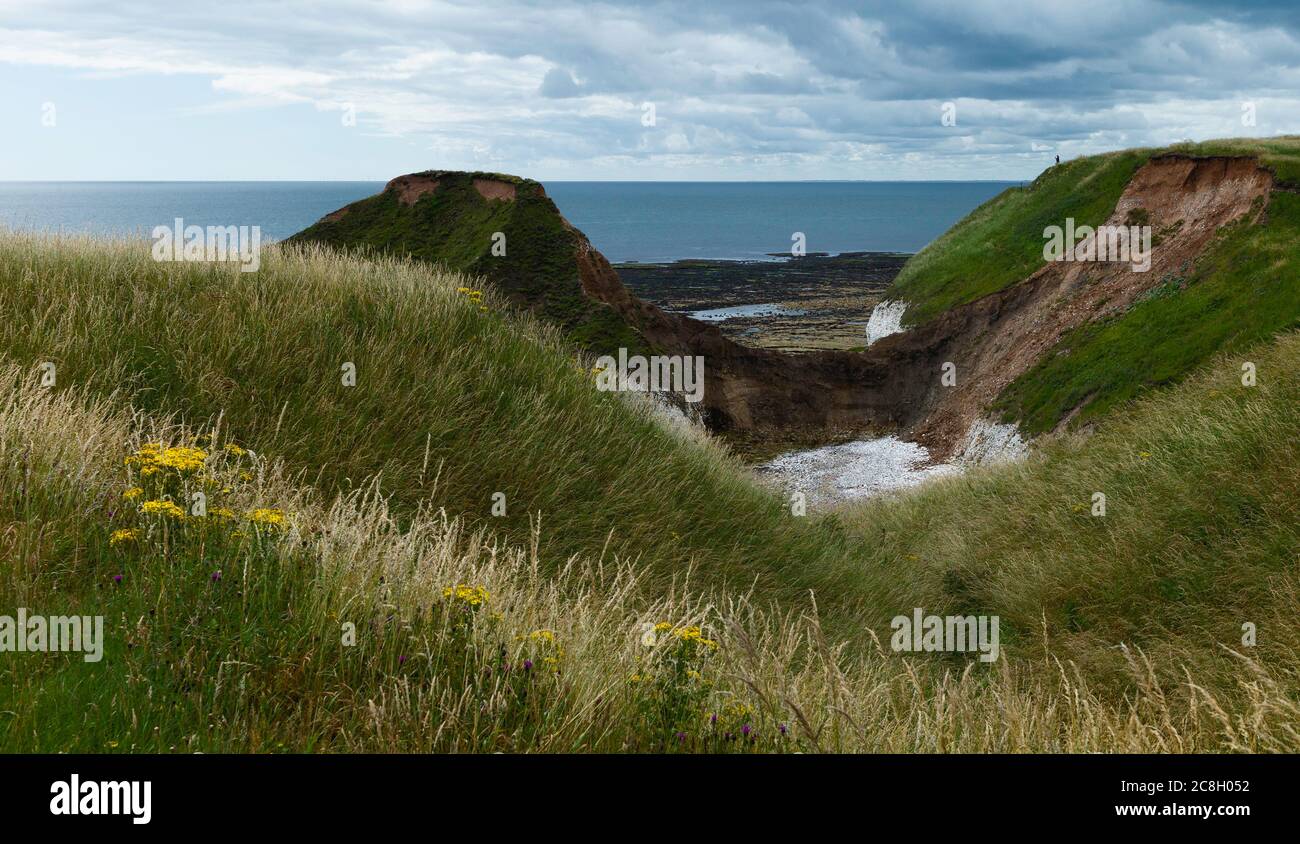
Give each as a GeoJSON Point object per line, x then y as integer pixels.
{"type": "Point", "coordinates": [896, 385]}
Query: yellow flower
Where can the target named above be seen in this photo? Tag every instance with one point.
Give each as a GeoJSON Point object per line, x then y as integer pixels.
{"type": "Point", "coordinates": [182, 458]}
{"type": "Point", "coordinates": [235, 450]}
{"type": "Point", "coordinates": [694, 634]}
{"type": "Point", "coordinates": [166, 509]}
{"type": "Point", "coordinates": [222, 513]}
{"type": "Point", "coordinates": [124, 535]}
{"type": "Point", "coordinates": [266, 516]}
{"type": "Point", "coordinates": [149, 470]}
{"type": "Point", "coordinates": [1145, 455]}
{"type": "Point", "coordinates": [133, 493]}
{"type": "Point", "coordinates": [472, 595]}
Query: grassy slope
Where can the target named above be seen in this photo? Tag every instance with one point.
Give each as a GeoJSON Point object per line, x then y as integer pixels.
{"type": "Point", "coordinates": [256, 660]}
{"type": "Point", "coordinates": [1001, 242]}
{"type": "Point", "coordinates": [454, 227]}
{"type": "Point", "coordinates": [1200, 536]}
{"type": "Point", "coordinates": [1201, 531]}
{"type": "Point", "coordinates": [1238, 294]}
{"type": "Point", "coordinates": [1241, 291]}
{"type": "Point", "coordinates": [452, 404]}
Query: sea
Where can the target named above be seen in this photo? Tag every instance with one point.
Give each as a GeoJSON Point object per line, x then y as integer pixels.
{"type": "Point", "coordinates": [627, 221]}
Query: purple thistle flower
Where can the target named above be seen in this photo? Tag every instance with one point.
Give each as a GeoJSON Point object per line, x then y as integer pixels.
{"type": "Point", "coordinates": [216, 575]}
{"type": "Point", "coordinates": [528, 664]}
{"type": "Point", "coordinates": [401, 659]}
{"type": "Point", "coordinates": [117, 578]}
{"type": "Point", "coordinates": [681, 738]}
{"type": "Point", "coordinates": [713, 719]}
{"type": "Point", "coordinates": [744, 730]}
{"type": "Point", "coordinates": [783, 729]}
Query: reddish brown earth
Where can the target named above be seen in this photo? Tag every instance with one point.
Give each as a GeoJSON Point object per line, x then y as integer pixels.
{"type": "Point", "coordinates": [410, 188]}
{"type": "Point", "coordinates": [895, 385]}
{"type": "Point", "coordinates": [996, 339]}
{"type": "Point", "coordinates": [493, 189]}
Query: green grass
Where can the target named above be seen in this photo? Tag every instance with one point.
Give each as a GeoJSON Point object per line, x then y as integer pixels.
{"type": "Point", "coordinates": [1119, 633]}
{"type": "Point", "coordinates": [454, 227]}
{"type": "Point", "coordinates": [1241, 291]}
{"type": "Point", "coordinates": [1001, 242]}
{"type": "Point", "coordinates": [1201, 531]}
{"type": "Point", "coordinates": [452, 404]}
{"type": "Point", "coordinates": [1280, 154]}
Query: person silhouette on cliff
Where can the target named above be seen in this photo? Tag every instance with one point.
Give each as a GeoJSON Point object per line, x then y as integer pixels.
{"type": "Point", "coordinates": [1058, 159]}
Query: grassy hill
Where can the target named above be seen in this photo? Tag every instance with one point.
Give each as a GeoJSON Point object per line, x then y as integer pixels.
{"type": "Point", "coordinates": [1240, 292]}
{"type": "Point", "coordinates": [371, 506]}
{"type": "Point", "coordinates": [457, 398]}
{"type": "Point", "coordinates": [456, 227]}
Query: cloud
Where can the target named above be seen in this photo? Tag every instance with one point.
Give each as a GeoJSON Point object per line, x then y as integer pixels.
{"type": "Point", "coordinates": [558, 84]}
{"type": "Point", "coordinates": [744, 89]}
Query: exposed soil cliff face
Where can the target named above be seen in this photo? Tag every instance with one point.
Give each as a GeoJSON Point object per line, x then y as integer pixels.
{"type": "Point", "coordinates": [748, 388]}
{"type": "Point", "coordinates": [896, 384]}
{"type": "Point", "coordinates": [994, 340]}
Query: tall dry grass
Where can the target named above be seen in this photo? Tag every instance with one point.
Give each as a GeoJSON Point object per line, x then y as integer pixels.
{"type": "Point", "coordinates": [1119, 634]}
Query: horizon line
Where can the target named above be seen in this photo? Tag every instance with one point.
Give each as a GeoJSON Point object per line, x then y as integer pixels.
{"type": "Point", "coordinates": [570, 181]}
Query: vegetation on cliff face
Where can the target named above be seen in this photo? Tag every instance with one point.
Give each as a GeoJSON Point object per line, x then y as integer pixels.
{"type": "Point", "coordinates": [1242, 290]}
{"type": "Point", "coordinates": [640, 594]}
{"type": "Point", "coordinates": [456, 227]}
{"type": "Point", "coordinates": [1001, 242]}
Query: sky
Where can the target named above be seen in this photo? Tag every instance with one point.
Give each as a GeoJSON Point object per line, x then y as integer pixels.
{"type": "Point", "coordinates": [747, 90]}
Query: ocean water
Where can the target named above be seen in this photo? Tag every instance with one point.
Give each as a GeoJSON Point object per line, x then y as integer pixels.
{"type": "Point", "coordinates": [627, 221]}
{"type": "Point", "coordinates": [665, 221]}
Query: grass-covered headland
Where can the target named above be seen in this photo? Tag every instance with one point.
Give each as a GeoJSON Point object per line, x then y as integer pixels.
{"type": "Point", "coordinates": [1241, 292]}
{"type": "Point", "coordinates": [350, 588]}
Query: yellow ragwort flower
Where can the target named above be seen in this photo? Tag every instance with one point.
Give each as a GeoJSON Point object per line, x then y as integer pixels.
{"type": "Point", "coordinates": [472, 595]}
{"type": "Point", "coordinates": [124, 535]}
{"type": "Point", "coordinates": [182, 458]}
{"type": "Point", "coordinates": [266, 516]}
{"type": "Point", "coordinates": [694, 634]}
{"type": "Point", "coordinates": [167, 509]}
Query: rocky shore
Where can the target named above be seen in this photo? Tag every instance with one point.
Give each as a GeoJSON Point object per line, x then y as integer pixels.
{"type": "Point", "coordinates": [805, 303]}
